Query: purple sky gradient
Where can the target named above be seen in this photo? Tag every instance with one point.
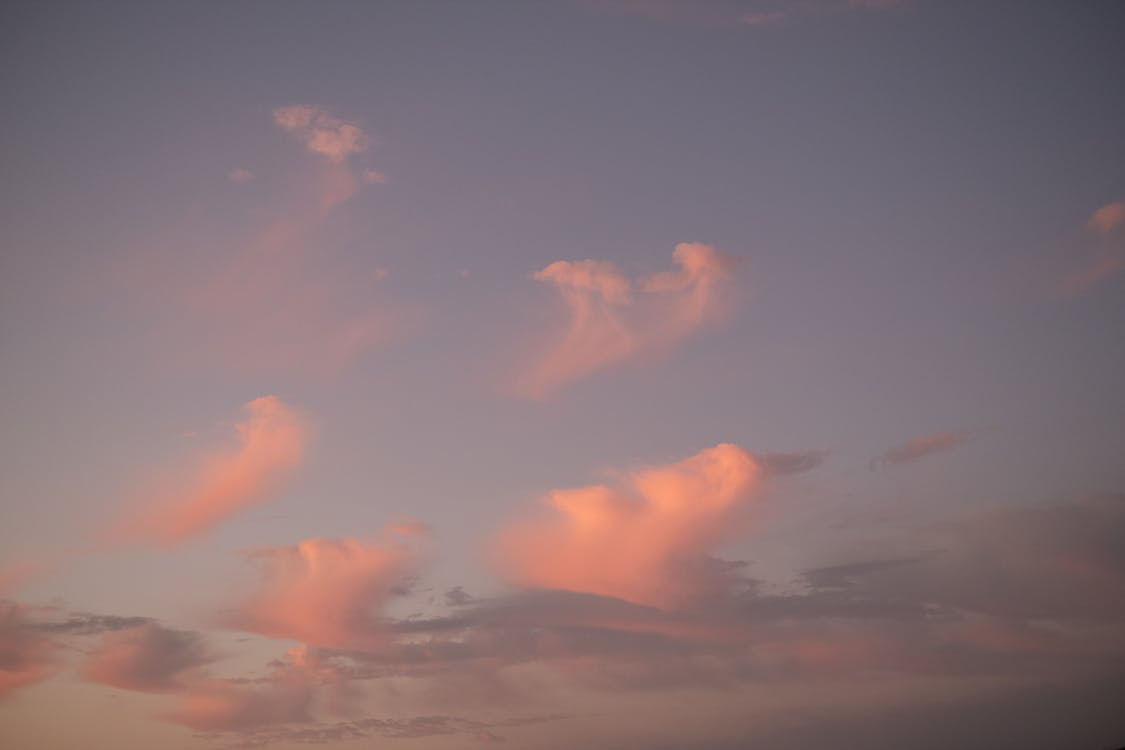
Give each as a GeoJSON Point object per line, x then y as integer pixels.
{"type": "Point", "coordinates": [596, 373]}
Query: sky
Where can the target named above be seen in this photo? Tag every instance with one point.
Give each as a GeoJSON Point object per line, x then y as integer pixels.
{"type": "Point", "coordinates": [642, 374]}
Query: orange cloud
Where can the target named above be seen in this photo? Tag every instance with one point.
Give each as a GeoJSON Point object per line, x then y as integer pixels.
{"type": "Point", "coordinates": [645, 543]}
{"type": "Point", "coordinates": [608, 323]}
{"type": "Point", "coordinates": [148, 658]}
{"type": "Point", "coordinates": [270, 445]}
{"type": "Point", "coordinates": [327, 591]}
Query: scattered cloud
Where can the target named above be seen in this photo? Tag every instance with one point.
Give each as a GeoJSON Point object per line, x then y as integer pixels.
{"type": "Point", "coordinates": [646, 542]}
{"type": "Point", "coordinates": [920, 447]}
{"type": "Point", "coordinates": [610, 319]}
{"type": "Point", "coordinates": [270, 444]}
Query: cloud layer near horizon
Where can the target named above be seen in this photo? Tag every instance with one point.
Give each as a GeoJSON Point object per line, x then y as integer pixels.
{"type": "Point", "coordinates": [611, 319]}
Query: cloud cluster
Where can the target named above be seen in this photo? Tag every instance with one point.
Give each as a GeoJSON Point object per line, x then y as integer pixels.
{"type": "Point", "coordinates": [646, 542]}
{"type": "Point", "coordinates": [322, 132]}
{"type": "Point", "coordinates": [270, 444]}
{"type": "Point", "coordinates": [611, 319]}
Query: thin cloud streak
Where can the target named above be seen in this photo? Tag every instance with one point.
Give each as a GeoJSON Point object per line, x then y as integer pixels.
{"type": "Point", "coordinates": [920, 447]}
{"type": "Point", "coordinates": [1107, 227]}
{"type": "Point", "coordinates": [270, 445]}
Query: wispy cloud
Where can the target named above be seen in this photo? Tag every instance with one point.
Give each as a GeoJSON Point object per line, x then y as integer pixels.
{"type": "Point", "coordinates": [1107, 228]}
{"type": "Point", "coordinates": [920, 447]}
{"type": "Point", "coordinates": [611, 319]}
{"type": "Point", "coordinates": [269, 444]}
{"type": "Point", "coordinates": [238, 174]}
{"type": "Point", "coordinates": [646, 542]}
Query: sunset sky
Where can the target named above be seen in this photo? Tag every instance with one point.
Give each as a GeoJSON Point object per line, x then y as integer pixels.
{"type": "Point", "coordinates": [641, 374]}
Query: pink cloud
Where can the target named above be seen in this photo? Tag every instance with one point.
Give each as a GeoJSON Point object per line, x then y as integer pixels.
{"type": "Point", "coordinates": [327, 592]}
{"type": "Point", "coordinates": [147, 658]}
{"type": "Point", "coordinates": [646, 542]}
{"type": "Point", "coordinates": [321, 132]}
{"type": "Point", "coordinates": [270, 444]}
{"type": "Point", "coordinates": [1107, 225]}
{"type": "Point", "coordinates": [610, 321]}
{"type": "Point", "coordinates": [275, 297]}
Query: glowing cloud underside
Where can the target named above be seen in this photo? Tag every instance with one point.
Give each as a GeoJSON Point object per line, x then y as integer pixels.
{"type": "Point", "coordinates": [646, 542]}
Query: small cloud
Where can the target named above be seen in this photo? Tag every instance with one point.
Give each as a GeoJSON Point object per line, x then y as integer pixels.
{"type": "Point", "coordinates": [783, 464]}
{"type": "Point", "coordinates": [321, 132]}
{"type": "Point", "coordinates": [373, 177]}
{"type": "Point", "coordinates": [238, 174]}
{"type": "Point", "coordinates": [920, 447]}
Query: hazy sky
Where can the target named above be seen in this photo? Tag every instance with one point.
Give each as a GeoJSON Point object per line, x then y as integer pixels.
{"type": "Point", "coordinates": [572, 373]}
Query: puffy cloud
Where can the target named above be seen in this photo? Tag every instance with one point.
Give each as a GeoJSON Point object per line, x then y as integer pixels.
{"type": "Point", "coordinates": [609, 321]}
{"type": "Point", "coordinates": [321, 132]}
{"type": "Point", "coordinates": [920, 447]}
{"type": "Point", "coordinates": [270, 445]}
{"type": "Point", "coordinates": [327, 591]}
{"type": "Point", "coordinates": [646, 542]}
{"type": "Point", "coordinates": [148, 658]}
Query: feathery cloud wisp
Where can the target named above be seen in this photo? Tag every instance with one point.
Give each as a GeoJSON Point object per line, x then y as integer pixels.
{"type": "Point", "coordinates": [270, 445]}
